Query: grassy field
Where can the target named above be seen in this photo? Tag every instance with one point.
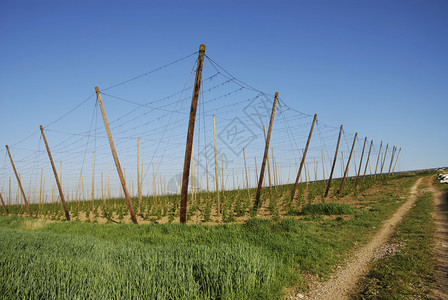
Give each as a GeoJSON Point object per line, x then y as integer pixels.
{"type": "Point", "coordinates": [259, 258]}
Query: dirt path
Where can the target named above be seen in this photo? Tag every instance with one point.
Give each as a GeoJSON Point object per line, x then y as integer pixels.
{"type": "Point", "coordinates": [344, 280]}
{"type": "Point", "coordinates": [440, 289]}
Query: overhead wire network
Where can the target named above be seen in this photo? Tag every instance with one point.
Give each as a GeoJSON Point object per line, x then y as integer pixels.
{"type": "Point", "coordinates": [153, 108]}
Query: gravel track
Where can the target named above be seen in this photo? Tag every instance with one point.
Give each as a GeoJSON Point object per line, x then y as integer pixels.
{"type": "Point", "coordinates": [342, 283]}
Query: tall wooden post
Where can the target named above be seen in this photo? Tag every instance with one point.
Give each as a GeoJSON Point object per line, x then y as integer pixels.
{"type": "Point", "coordinates": [269, 167]}
{"type": "Point", "coordinates": [305, 169]}
{"type": "Point", "coordinates": [93, 186]}
{"type": "Point", "coordinates": [323, 165]}
{"type": "Point", "coordinates": [266, 151]}
{"type": "Point", "coordinates": [187, 161]}
{"type": "Point", "coordinates": [360, 162]}
{"type": "Point", "coordinates": [154, 186]}
{"type": "Point", "coordinates": [40, 187]}
{"type": "Point", "coordinates": [115, 156]}
{"type": "Point", "coordinates": [4, 206]}
{"type": "Point", "coordinates": [206, 178]}
{"type": "Point", "coordinates": [368, 160]}
{"type": "Point", "coordinates": [61, 194]}
{"type": "Point", "coordinates": [247, 178]}
{"type": "Point", "coordinates": [9, 194]}
{"type": "Point", "coordinates": [334, 163]}
{"type": "Point", "coordinates": [141, 182]}
{"type": "Point", "coordinates": [18, 181]}
{"type": "Point", "coordinates": [138, 177]}
{"type": "Point", "coordinates": [43, 192]}
{"type": "Point", "coordinates": [384, 159]}
{"type": "Point", "coordinates": [102, 191]}
{"type": "Point", "coordinates": [222, 175]}
{"type": "Point", "coordinates": [348, 164]}
{"type": "Point", "coordinates": [392, 160]}
{"type": "Point", "coordinates": [293, 192]}
{"type": "Point", "coordinates": [396, 160]}
{"type": "Point", "coordinates": [378, 159]}
{"type": "Point", "coordinates": [216, 167]}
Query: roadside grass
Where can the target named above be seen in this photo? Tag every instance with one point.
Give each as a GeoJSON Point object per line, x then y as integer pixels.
{"type": "Point", "coordinates": [255, 260]}
{"type": "Point", "coordinates": [407, 273]}
{"type": "Point", "coordinates": [328, 209]}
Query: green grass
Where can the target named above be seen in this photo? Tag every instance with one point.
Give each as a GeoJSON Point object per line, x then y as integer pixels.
{"type": "Point", "coordinates": [254, 260]}
{"type": "Point", "coordinates": [408, 273]}
{"type": "Point", "coordinates": [328, 209]}
{"type": "Point", "coordinates": [42, 265]}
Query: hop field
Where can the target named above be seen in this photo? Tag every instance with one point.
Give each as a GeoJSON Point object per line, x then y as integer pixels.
{"type": "Point", "coordinates": [259, 258]}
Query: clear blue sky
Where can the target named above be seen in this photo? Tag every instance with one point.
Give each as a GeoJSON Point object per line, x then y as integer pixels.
{"type": "Point", "coordinates": [378, 67]}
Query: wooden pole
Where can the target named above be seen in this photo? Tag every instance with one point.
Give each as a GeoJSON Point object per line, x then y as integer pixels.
{"type": "Point", "coordinates": [216, 167]}
{"type": "Point", "coordinates": [368, 160]}
{"type": "Point", "coordinates": [141, 182]}
{"type": "Point", "coordinates": [4, 206]}
{"type": "Point", "coordinates": [43, 192]}
{"type": "Point", "coordinates": [360, 162]}
{"type": "Point", "coordinates": [293, 192]}
{"type": "Point", "coordinates": [348, 164]}
{"type": "Point", "coordinates": [247, 178]}
{"type": "Point", "coordinates": [81, 190]}
{"type": "Point", "coordinates": [222, 175]}
{"type": "Point", "coordinates": [384, 160]}
{"type": "Point", "coordinates": [102, 190]}
{"type": "Point", "coordinates": [193, 182]}
{"type": "Point", "coordinates": [398, 155]}
{"type": "Point", "coordinates": [392, 160]}
{"type": "Point", "coordinates": [61, 194]}
{"type": "Point", "coordinates": [154, 186]}
{"type": "Point", "coordinates": [378, 159]}
{"type": "Point", "coordinates": [9, 194]}
{"type": "Point", "coordinates": [40, 187]}
{"type": "Point", "coordinates": [206, 179]}
{"type": "Point", "coordinates": [269, 168]}
{"type": "Point", "coordinates": [237, 183]}
{"type": "Point", "coordinates": [266, 151]}
{"type": "Point", "coordinates": [139, 194]}
{"type": "Point", "coordinates": [334, 163]}
{"type": "Point", "coordinates": [19, 182]}
{"type": "Point", "coordinates": [323, 166]}
{"type": "Point", "coordinates": [115, 156]}
{"type": "Point", "coordinates": [60, 173]}
{"type": "Point", "coordinates": [305, 170]}
{"type": "Point", "coordinates": [93, 185]}
{"type": "Point", "coordinates": [194, 103]}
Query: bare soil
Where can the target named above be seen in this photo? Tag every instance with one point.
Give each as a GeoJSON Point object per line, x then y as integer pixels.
{"type": "Point", "coordinates": [342, 283]}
